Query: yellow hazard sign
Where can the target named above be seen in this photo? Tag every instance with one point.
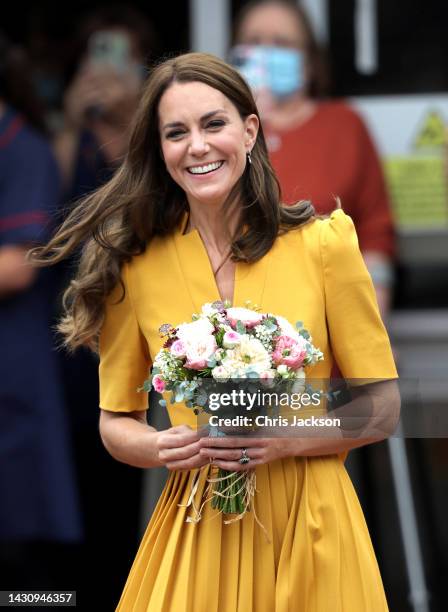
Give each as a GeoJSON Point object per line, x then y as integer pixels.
{"type": "Point", "coordinates": [433, 132]}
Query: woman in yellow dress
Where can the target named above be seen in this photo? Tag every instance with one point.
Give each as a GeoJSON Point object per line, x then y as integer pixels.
{"type": "Point", "coordinates": [193, 215]}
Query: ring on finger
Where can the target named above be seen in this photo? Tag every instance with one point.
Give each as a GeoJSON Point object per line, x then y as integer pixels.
{"type": "Point", "coordinates": [244, 457]}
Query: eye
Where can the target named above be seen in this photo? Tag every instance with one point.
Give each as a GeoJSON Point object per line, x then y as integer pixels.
{"type": "Point", "coordinates": [216, 124]}
{"type": "Point", "coordinates": [174, 134]}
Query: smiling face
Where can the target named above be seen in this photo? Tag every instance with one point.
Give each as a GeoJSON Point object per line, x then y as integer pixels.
{"type": "Point", "coordinates": [204, 141]}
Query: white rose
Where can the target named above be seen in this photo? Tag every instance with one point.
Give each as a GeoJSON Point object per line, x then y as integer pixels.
{"type": "Point", "coordinates": [286, 328]}
{"type": "Point", "coordinates": [250, 354]}
{"type": "Point", "coordinates": [191, 333]}
{"type": "Point", "coordinates": [249, 318]}
{"type": "Point", "coordinates": [200, 352]}
{"type": "Point", "coordinates": [231, 339]}
{"type": "Point", "coordinates": [220, 373]}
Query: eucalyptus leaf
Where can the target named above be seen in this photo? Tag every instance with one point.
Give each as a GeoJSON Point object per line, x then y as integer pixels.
{"type": "Point", "coordinates": [201, 399]}
{"type": "Point", "coordinates": [179, 397]}
{"type": "Point", "coordinates": [240, 328]}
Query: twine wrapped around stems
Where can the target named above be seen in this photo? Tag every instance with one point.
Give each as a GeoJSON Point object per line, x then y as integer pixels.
{"type": "Point", "coordinates": [232, 488]}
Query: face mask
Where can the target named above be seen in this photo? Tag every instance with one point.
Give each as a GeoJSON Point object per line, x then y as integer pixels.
{"type": "Point", "coordinates": [277, 69]}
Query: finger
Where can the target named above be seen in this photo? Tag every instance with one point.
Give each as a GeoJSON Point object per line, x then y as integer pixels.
{"type": "Point", "coordinates": [176, 454]}
{"type": "Point", "coordinates": [187, 464]}
{"type": "Point", "coordinates": [230, 442]}
{"type": "Point", "coordinates": [181, 428]}
{"type": "Point", "coordinates": [231, 454]}
{"type": "Point", "coordinates": [176, 439]}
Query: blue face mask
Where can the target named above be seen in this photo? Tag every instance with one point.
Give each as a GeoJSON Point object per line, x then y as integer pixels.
{"type": "Point", "coordinates": [278, 69]}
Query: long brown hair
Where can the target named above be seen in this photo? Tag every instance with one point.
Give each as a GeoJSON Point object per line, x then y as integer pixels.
{"type": "Point", "coordinates": [118, 220]}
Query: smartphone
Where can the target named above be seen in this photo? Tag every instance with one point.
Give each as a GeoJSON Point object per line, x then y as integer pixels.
{"type": "Point", "coordinates": [110, 49]}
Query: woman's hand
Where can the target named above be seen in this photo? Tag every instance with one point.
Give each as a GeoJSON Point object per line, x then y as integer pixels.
{"type": "Point", "coordinates": [15, 273]}
{"type": "Point", "coordinates": [226, 452]}
{"type": "Point", "coordinates": [179, 448]}
{"type": "Point", "coordinates": [104, 90]}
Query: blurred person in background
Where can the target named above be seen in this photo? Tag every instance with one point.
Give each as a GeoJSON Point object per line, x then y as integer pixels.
{"type": "Point", "coordinates": [113, 45]}
{"type": "Point", "coordinates": [39, 508]}
{"type": "Point", "coordinates": [319, 148]}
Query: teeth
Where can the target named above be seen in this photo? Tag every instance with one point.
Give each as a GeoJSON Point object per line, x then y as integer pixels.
{"type": "Point", "coordinates": [205, 169]}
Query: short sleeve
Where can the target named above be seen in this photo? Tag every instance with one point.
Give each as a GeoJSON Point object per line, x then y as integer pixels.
{"type": "Point", "coordinates": [358, 337]}
{"type": "Point", "coordinates": [124, 354]}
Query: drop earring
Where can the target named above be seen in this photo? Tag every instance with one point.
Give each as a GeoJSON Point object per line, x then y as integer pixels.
{"type": "Point", "coordinates": [249, 157]}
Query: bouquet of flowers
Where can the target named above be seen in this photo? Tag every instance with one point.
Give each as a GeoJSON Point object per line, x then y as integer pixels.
{"type": "Point", "coordinates": [225, 343]}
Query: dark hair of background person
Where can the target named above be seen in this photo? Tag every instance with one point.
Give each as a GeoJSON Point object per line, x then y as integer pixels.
{"type": "Point", "coordinates": [141, 201]}
{"type": "Point", "coordinates": [16, 84]}
{"type": "Point", "coordinates": [112, 16]}
{"type": "Point", "coordinates": [320, 83]}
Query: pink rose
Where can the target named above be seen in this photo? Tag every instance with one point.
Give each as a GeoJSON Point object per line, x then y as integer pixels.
{"type": "Point", "coordinates": [289, 351]}
{"type": "Point", "coordinates": [200, 352]}
{"type": "Point", "coordinates": [249, 318]}
{"type": "Point", "coordinates": [158, 383]}
{"type": "Point", "coordinates": [178, 349]}
{"type": "Point", "coordinates": [231, 339]}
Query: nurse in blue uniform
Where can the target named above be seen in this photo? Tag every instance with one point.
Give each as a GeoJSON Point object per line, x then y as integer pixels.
{"type": "Point", "coordinates": [37, 481]}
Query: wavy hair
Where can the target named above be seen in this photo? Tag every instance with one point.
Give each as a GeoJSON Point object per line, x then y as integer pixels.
{"type": "Point", "coordinates": [141, 200]}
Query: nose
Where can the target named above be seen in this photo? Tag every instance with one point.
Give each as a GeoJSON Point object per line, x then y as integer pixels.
{"type": "Point", "coordinates": [198, 144]}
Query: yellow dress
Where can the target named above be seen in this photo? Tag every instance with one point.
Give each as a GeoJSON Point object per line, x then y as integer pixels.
{"type": "Point", "coordinates": [319, 556]}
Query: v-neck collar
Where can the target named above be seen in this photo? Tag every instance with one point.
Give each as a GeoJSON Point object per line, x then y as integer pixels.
{"type": "Point", "coordinates": [196, 269]}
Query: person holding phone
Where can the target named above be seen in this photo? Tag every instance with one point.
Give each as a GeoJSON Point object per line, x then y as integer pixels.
{"type": "Point", "coordinates": [101, 99]}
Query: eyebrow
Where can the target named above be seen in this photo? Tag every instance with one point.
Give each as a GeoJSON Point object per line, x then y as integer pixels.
{"type": "Point", "coordinates": [203, 118]}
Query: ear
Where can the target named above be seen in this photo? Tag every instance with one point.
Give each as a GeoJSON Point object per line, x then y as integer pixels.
{"type": "Point", "coordinates": [251, 125]}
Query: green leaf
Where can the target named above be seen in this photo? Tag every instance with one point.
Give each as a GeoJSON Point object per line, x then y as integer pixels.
{"type": "Point", "coordinates": [219, 337]}
{"type": "Point", "coordinates": [201, 399]}
{"type": "Point", "coordinates": [240, 328]}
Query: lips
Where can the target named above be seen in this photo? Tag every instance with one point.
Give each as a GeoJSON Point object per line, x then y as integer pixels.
{"type": "Point", "coordinates": [205, 168]}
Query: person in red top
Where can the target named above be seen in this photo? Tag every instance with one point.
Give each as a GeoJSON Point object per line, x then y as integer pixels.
{"type": "Point", "coordinates": [320, 149]}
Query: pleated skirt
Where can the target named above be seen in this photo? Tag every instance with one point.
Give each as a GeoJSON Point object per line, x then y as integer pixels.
{"type": "Point", "coordinates": [315, 556]}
